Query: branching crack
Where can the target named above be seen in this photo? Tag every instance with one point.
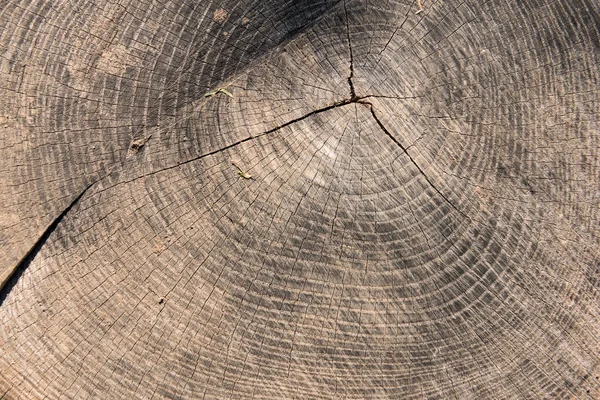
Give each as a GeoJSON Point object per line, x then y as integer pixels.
{"type": "Point", "coordinates": [12, 279]}
{"type": "Point", "coordinates": [21, 267]}
{"type": "Point", "coordinates": [412, 160]}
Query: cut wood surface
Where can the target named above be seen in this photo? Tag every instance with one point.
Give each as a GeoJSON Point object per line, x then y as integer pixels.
{"type": "Point", "coordinates": [300, 199]}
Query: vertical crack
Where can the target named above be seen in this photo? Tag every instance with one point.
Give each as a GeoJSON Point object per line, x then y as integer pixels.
{"type": "Point", "coordinates": [10, 282]}
{"type": "Point", "coordinates": [352, 90]}
{"type": "Point", "coordinates": [412, 160]}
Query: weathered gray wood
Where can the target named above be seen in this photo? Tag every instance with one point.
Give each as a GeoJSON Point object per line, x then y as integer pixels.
{"type": "Point", "coordinates": [422, 219]}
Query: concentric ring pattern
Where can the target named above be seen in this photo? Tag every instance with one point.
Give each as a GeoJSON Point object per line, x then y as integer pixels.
{"type": "Point", "coordinates": [300, 199]}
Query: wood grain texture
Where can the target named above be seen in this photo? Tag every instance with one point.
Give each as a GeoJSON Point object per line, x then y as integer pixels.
{"type": "Point", "coordinates": [422, 221]}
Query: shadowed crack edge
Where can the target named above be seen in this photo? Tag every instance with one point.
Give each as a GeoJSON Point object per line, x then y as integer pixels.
{"type": "Point", "coordinates": [13, 277]}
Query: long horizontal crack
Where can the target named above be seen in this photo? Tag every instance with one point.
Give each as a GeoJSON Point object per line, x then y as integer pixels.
{"type": "Point", "coordinates": [353, 99]}
{"type": "Point", "coordinates": [412, 160]}
{"type": "Point", "coordinates": [249, 138]}
{"type": "Point", "coordinates": [12, 279]}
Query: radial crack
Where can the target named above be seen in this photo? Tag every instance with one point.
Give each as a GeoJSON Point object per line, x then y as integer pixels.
{"type": "Point", "coordinates": [412, 160]}
{"type": "Point", "coordinates": [12, 279]}
{"type": "Point", "coordinates": [249, 138]}
{"type": "Point", "coordinates": [352, 90]}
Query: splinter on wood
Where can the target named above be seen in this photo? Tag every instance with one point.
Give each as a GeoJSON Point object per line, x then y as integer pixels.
{"type": "Point", "coordinates": [420, 6]}
{"type": "Point", "coordinates": [218, 90]}
{"type": "Point", "coordinates": [241, 172]}
{"type": "Point", "coordinates": [137, 144]}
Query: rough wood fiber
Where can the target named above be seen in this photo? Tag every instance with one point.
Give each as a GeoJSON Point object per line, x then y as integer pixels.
{"type": "Point", "coordinates": [422, 222]}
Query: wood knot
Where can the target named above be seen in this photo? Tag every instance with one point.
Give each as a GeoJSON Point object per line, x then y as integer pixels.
{"type": "Point", "coordinates": [137, 144]}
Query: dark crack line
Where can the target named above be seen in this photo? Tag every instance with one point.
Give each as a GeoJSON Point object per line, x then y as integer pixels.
{"type": "Point", "coordinates": [412, 160]}
{"type": "Point", "coordinates": [359, 100]}
{"type": "Point", "coordinates": [13, 278]}
{"type": "Point", "coordinates": [318, 111]}
{"type": "Point", "coordinates": [352, 90]}
{"type": "Point", "coordinates": [249, 138]}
